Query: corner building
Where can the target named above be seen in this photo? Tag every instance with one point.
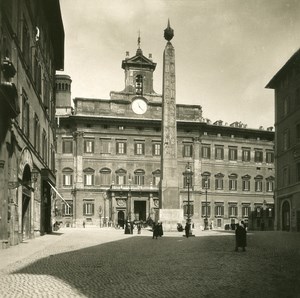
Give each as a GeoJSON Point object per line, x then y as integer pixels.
{"type": "Point", "coordinates": [31, 50]}
{"type": "Point", "coordinates": [286, 84]}
{"type": "Point", "coordinates": [109, 158]}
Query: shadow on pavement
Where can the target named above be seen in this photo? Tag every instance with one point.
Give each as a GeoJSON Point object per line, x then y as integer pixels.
{"type": "Point", "coordinates": [140, 266]}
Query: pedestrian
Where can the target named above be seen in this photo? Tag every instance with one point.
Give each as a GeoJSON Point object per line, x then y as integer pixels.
{"type": "Point", "coordinates": [155, 230]}
{"type": "Point", "coordinates": [160, 229]}
{"type": "Point", "coordinates": [240, 237]}
{"type": "Point", "coordinates": [187, 230]}
{"type": "Point", "coordinates": [139, 227]}
{"type": "Point", "coordinates": [83, 224]}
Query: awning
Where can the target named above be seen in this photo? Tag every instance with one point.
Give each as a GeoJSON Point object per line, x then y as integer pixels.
{"type": "Point", "coordinates": [56, 191]}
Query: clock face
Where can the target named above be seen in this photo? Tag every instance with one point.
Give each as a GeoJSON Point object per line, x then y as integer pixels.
{"type": "Point", "coordinates": [139, 106]}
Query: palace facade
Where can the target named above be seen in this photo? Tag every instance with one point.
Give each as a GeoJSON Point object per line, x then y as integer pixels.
{"type": "Point", "coordinates": [31, 50]}
{"type": "Point", "coordinates": [109, 157]}
{"type": "Point", "coordinates": [286, 84]}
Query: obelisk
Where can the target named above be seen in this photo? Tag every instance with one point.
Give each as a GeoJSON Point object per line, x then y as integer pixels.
{"type": "Point", "coordinates": [170, 212]}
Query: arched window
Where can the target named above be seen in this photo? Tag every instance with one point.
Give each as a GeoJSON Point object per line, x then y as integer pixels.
{"type": "Point", "coordinates": [121, 176]}
{"type": "Point", "coordinates": [105, 176]}
{"type": "Point", "coordinates": [206, 180]}
{"type": "Point", "coordinates": [258, 183]}
{"type": "Point", "coordinates": [139, 177]}
{"type": "Point", "coordinates": [156, 177]}
{"type": "Point", "coordinates": [67, 176]}
{"type": "Point", "coordinates": [89, 174]}
{"type": "Point", "coordinates": [246, 182]}
{"type": "Point", "coordinates": [219, 181]}
{"type": "Point", "coordinates": [233, 181]}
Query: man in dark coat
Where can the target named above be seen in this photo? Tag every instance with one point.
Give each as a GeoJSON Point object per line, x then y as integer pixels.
{"type": "Point", "coordinates": [240, 237]}
{"type": "Point", "coordinates": [155, 230]}
{"type": "Point", "coordinates": [187, 230]}
{"type": "Point", "coordinates": [160, 229]}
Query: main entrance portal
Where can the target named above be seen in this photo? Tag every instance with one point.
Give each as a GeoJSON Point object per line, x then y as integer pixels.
{"type": "Point", "coordinates": [140, 210]}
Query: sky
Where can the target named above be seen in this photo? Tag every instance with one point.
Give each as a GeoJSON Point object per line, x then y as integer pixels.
{"type": "Point", "coordinates": [226, 51]}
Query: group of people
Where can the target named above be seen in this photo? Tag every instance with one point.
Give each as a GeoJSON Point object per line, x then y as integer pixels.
{"type": "Point", "coordinates": [157, 229]}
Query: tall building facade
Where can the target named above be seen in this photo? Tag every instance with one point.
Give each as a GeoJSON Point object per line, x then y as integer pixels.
{"type": "Point", "coordinates": [31, 50]}
{"type": "Point", "coordinates": [286, 84]}
{"type": "Point", "coordinates": [109, 159]}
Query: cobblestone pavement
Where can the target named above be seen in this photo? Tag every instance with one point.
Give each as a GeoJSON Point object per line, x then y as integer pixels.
{"type": "Point", "coordinates": [96, 262]}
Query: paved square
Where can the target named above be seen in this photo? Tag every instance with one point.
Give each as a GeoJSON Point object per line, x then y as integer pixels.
{"type": "Point", "coordinates": [105, 262]}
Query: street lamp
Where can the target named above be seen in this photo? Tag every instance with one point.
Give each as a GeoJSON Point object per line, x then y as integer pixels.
{"type": "Point", "coordinates": [205, 219]}
{"type": "Point", "coordinates": [188, 174]}
{"type": "Point", "coordinates": [128, 219]}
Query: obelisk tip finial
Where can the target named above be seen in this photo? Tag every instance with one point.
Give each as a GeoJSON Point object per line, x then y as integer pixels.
{"type": "Point", "coordinates": [169, 32]}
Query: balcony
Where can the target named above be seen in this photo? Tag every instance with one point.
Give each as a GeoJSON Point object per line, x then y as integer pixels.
{"type": "Point", "coordinates": [134, 188]}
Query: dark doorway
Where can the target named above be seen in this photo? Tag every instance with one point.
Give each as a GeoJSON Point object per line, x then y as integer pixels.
{"type": "Point", "coordinates": [121, 219]}
{"type": "Point", "coordinates": [286, 216]}
{"type": "Point", "coordinates": [140, 210]}
{"type": "Point", "coordinates": [26, 195]}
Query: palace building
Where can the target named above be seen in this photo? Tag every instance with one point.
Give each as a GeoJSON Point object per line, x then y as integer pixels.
{"type": "Point", "coordinates": [286, 84]}
{"type": "Point", "coordinates": [110, 154]}
{"type": "Point", "coordinates": [31, 50]}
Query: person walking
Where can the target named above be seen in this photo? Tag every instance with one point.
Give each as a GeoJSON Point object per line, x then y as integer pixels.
{"type": "Point", "coordinates": [187, 230]}
{"type": "Point", "coordinates": [240, 236]}
{"type": "Point", "coordinates": [160, 229]}
{"type": "Point", "coordinates": [155, 230]}
{"type": "Point", "coordinates": [83, 224]}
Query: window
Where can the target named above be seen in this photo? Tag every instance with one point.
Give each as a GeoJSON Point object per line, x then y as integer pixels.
{"type": "Point", "coordinates": [89, 176]}
{"type": "Point", "coordinates": [156, 177]}
{"type": "Point", "coordinates": [105, 146]}
{"type": "Point", "coordinates": [233, 210]}
{"type": "Point", "coordinates": [270, 184]}
{"type": "Point", "coordinates": [219, 210]}
{"type": "Point", "coordinates": [219, 153]}
{"type": "Point", "coordinates": [205, 151]}
{"type": "Point", "coordinates": [139, 177]}
{"type": "Point", "coordinates": [205, 177]}
{"type": "Point", "coordinates": [258, 183]}
{"type": "Point", "coordinates": [44, 145]}
{"type": "Point", "coordinates": [246, 154]}
{"type": "Point", "coordinates": [245, 210]}
{"type": "Point", "coordinates": [203, 209]}
{"type": "Point", "coordinates": [246, 183]}
{"type": "Point", "coordinates": [219, 181]}
{"type": "Point", "coordinates": [25, 114]}
{"type": "Point", "coordinates": [67, 146]}
{"type": "Point", "coordinates": [121, 177]}
{"type": "Point", "coordinates": [269, 157]}
{"type": "Point", "coordinates": [156, 149]}
{"type": "Point", "coordinates": [285, 176]}
{"type": "Point", "coordinates": [233, 182]}
{"type": "Point", "coordinates": [139, 148]}
{"type": "Point", "coordinates": [105, 176]}
{"type": "Point", "coordinates": [25, 43]}
{"type": "Point", "coordinates": [89, 146]}
{"type": "Point", "coordinates": [232, 154]}
{"type": "Point", "coordinates": [188, 210]}
{"type": "Point", "coordinates": [139, 84]}
{"type": "Point", "coordinates": [88, 208]}
{"type": "Point", "coordinates": [187, 150]}
{"type": "Point", "coordinates": [286, 106]}
{"type": "Point", "coordinates": [36, 141]}
{"type": "Point", "coordinates": [258, 155]}
{"type": "Point", "coordinates": [121, 148]}
{"type": "Point", "coordinates": [67, 176]}
{"type": "Point", "coordinates": [258, 211]}
{"type": "Point", "coordinates": [68, 209]}
{"type": "Point", "coordinates": [286, 140]}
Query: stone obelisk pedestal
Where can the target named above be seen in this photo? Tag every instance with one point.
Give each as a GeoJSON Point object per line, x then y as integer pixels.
{"type": "Point", "coordinates": [170, 212]}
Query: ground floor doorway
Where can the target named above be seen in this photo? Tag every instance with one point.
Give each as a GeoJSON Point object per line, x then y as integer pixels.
{"type": "Point", "coordinates": [121, 219]}
{"type": "Point", "coordinates": [140, 210]}
{"type": "Point", "coordinates": [25, 215]}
